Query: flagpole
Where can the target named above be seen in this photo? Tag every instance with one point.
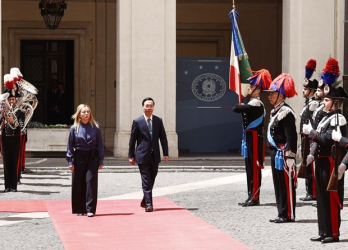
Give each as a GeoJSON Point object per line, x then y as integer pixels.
{"type": "Point", "coordinates": [233, 6]}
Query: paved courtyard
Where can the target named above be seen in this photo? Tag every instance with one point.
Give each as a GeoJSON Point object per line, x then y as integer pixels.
{"type": "Point", "coordinates": [209, 192]}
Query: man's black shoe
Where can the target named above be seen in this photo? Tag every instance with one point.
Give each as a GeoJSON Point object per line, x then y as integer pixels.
{"type": "Point", "coordinates": [251, 203]}
{"type": "Point", "coordinates": [242, 203]}
{"type": "Point", "coordinates": [7, 190]}
{"type": "Point", "coordinates": [143, 205]}
{"type": "Point", "coordinates": [318, 238]}
{"type": "Point", "coordinates": [330, 240]}
{"type": "Point", "coordinates": [314, 205]}
{"type": "Point", "coordinates": [283, 220]}
{"type": "Point", "coordinates": [273, 220]}
{"type": "Point", "coordinates": [308, 197]}
{"type": "Point", "coordinates": [13, 190]}
{"type": "Point", "coordinates": [149, 209]}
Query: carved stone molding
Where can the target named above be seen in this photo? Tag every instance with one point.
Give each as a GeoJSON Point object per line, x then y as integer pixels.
{"type": "Point", "coordinates": [79, 32]}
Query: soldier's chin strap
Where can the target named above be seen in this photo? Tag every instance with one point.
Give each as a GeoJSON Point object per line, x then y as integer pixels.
{"type": "Point", "coordinates": [332, 104]}
{"type": "Point", "coordinates": [277, 96]}
{"type": "Point", "coordinates": [252, 92]}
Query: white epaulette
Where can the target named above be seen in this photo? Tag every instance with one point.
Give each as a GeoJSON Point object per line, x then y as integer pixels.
{"type": "Point", "coordinates": [255, 102]}
{"type": "Point", "coordinates": [341, 120]}
{"type": "Point", "coordinates": [313, 105]}
{"type": "Point", "coordinates": [284, 111]}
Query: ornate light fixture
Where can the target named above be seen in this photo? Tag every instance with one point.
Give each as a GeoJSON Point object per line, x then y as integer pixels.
{"type": "Point", "coordinates": [52, 12]}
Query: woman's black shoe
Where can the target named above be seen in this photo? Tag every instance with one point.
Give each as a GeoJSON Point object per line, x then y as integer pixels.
{"type": "Point", "coordinates": [7, 190]}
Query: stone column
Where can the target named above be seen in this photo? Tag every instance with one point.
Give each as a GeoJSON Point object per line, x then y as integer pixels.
{"type": "Point", "coordinates": [146, 66]}
{"type": "Point", "coordinates": [311, 29]}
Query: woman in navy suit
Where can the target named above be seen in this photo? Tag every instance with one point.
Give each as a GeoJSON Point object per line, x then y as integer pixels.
{"type": "Point", "coordinates": [85, 155]}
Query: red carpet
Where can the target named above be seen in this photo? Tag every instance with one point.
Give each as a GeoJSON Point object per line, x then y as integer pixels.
{"type": "Point", "coordinates": [123, 225]}
{"type": "Point", "coordinates": [23, 206]}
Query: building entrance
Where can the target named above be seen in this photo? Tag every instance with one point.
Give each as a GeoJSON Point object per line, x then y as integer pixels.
{"type": "Point", "coordinates": [49, 66]}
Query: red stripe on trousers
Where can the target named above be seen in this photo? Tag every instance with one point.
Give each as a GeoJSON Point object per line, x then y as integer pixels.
{"type": "Point", "coordinates": [313, 182]}
{"type": "Point", "coordinates": [256, 169]}
{"type": "Point", "coordinates": [286, 176]}
{"type": "Point", "coordinates": [335, 205]}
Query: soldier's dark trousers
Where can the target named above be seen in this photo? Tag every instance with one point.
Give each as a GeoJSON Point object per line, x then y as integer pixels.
{"type": "Point", "coordinates": [10, 154]}
{"type": "Point", "coordinates": [282, 190]}
{"type": "Point", "coordinates": [328, 202]}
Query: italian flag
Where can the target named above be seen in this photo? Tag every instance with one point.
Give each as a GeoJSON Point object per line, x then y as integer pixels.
{"type": "Point", "coordinates": [238, 61]}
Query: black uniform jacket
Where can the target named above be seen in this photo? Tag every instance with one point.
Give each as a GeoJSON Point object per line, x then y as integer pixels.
{"type": "Point", "coordinates": [283, 127]}
{"type": "Point", "coordinates": [322, 136]}
{"type": "Point", "coordinates": [250, 112]}
{"type": "Point", "coordinates": [307, 111]}
{"type": "Point", "coordinates": [8, 131]}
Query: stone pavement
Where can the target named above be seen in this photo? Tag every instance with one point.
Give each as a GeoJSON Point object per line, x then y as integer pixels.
{"type": "Point", "coordinates": [188, 162]}
{"type": "Point", "coordinates": [210, 191]}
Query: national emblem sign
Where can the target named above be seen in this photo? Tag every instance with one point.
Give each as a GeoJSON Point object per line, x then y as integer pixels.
{"type": "Point", "coordinates": [208, 87]}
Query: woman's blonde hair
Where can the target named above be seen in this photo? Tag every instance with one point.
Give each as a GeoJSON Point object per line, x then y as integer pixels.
{"type": "Point", "coordinates": [77, 119]}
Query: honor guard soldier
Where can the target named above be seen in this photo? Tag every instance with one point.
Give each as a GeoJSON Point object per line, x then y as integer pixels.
{"type": "Point", "coordinates": [253, 148]}
{"type": "Point", "coordinates": [343, 142]}
{"type": "Point", "coordinates": [309, 89]}
{"type": "Point", "coordinates": [282, 139]}
{"type": "Point", "coordinates": [329, 197]}
{"type": "Point", "coordinates": [318, 115]}
{"type": "Point", "coordinates": [12, 121]}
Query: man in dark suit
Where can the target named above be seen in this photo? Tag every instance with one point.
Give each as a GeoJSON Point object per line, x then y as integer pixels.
{"type": "Point", "coordinates": [146, 131]}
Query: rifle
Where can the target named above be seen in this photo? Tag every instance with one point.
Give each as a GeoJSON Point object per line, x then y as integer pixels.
{"type": "Point", "coordinates": [305, 150]}
{"type": "Point", "coordinates": [336, 155]}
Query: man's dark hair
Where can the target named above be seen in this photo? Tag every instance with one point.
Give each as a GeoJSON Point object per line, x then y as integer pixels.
{"type": "Point", "coordinates": [148, 99]}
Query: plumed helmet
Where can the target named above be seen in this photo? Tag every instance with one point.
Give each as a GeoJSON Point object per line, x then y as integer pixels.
{"type": "Point", "coordinates": [9, 81]}
{"type": "Point", "coordinates": [284, 84]}
{"type": "Point", "coordinates": [331, 72]}
{"type": "Point", "coordinates": [309, 70]}
{"type": "Point", "coordinates": [17, 73]}
{"type": "Point", "coordinates": [261, 78]}
{"type": "Point", "coordinates": [336, 93]}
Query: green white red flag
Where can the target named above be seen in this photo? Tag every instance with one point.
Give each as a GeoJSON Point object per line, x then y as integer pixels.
{"type": "Point", "coordinates": [238, 61]}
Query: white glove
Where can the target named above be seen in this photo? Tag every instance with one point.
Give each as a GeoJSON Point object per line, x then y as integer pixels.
{"type": "Point", "coordinates": [341, 169]}
{"type": "Point", "coordinates": [310, 159]}
{"type": "Point", "coordinates": [290, 164]}
{"type": "Point", "coordinates": [306, 129]}
{"type": "Point", "coordinates": [336, 135]}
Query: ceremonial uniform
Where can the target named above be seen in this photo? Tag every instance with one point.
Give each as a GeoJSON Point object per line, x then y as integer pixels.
{"type": "Point", "coordinates": [254, 144]}
{"type": "Point", "coordinates": [21, 163]}
{"type": "Point", "coordinates": [282, 139]}
{"type": "Point", "coordinates": [282, 130]}
{"type": "Point", "coordinates": [13, 122]}
{"type": "Point", "coordinates": [329, 202]}
{"type": "Point", "coordinates": [309, 87]}
{"type": "Point", "coordinates": [307, 116]}
{"type": "Point", "coordinates": [318, 114]}
{"type": "Point", "coordinates": [10, 150]}
{"type": "Point", "coordinates": [253, 147]}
